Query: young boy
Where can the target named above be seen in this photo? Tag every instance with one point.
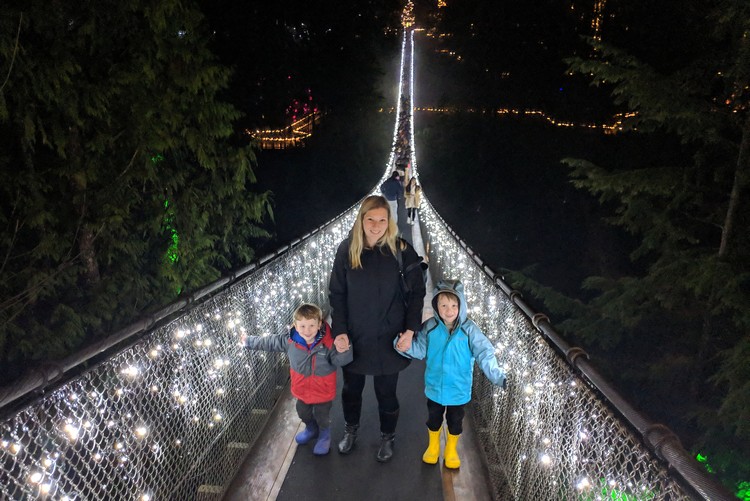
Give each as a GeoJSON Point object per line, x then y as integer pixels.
{"type": "Point", "coordinates": [312, 364]}
{"type": "Point", "coordinates": [450, 343]}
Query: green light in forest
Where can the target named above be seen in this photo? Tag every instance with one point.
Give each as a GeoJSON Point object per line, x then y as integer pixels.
{"type": "Point", "coordinates": [743, 491]}
{"type": "Point", "coordinates": [609, 490]}
{"type": "Point", "coordinates": [157, 158]}
{"type": "Point", "coordinates": [704, 461]}
{"type": "Point", "coordinates": [172, 255]}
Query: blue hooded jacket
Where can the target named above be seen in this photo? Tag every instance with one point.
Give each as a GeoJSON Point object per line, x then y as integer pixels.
{"type": "Point", "coordinates": [450, 356]}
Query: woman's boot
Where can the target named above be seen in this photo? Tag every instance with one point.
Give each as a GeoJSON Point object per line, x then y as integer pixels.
{"type": "Point", "coordinates": [452, 460]}
{"type": "Point", "coordinates": [432, 453]}
{"type": "Point", "coordinates": [350, 436]}
{"type": "Point", "coordinates": [385, 453]}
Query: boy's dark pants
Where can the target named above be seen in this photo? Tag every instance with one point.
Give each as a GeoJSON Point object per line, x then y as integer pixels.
{"type": "Point", "coordinates": [319, 413]}
{"type": "Point", "coordinates": [454, 416]}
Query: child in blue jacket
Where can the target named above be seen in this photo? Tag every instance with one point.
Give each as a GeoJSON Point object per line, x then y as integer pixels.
{"type": "Point", "coordinates": [450, 343]}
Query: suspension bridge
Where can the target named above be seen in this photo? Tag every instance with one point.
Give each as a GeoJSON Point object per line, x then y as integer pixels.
{"type": "Point", "coordinates": [172, 408]}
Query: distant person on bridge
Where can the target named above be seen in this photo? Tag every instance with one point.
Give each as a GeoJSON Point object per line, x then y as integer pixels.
{"type": "Point", "coordinates": [371, 306]}
{"type": "Point", "coordinates": [412, 199]}
{"type": "Point", "coordinates": [391, 190]}
{"type": "Point", "coordinates": [450, 343]}
{"type": "Point", "coordinates": [312, 364]}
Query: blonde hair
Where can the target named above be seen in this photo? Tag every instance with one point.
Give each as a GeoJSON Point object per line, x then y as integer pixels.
{"type": "Point", "coordinates": [357, 237]}
{"type": "Point", "coordinates": [307, 311]}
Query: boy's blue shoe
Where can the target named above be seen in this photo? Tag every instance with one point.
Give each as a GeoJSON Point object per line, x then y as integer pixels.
{"type": "Point", "coordinates": [311, 431]}
{"type": "Point", "coordinates": [323, 445]}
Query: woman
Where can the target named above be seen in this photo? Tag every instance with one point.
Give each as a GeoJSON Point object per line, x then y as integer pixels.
{"type": "Point", "coordinates": [369, 310]}
{"type": "Point", "coordinates": [412, 199]}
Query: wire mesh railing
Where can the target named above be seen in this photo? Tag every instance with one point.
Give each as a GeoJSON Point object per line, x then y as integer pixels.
{"type": "Point", "coordinates": [558, 432]}
{"type": "Point", "coordinates": [172, 415]}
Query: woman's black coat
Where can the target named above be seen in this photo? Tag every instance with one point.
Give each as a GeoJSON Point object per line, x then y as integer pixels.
{"type": "Point", "coordinates": [368, 305]}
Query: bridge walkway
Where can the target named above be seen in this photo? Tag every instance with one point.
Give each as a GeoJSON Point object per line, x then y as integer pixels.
{"type": "Point", "coordinates": [278, 469]}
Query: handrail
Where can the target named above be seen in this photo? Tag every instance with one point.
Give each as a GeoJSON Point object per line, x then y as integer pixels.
{"type": "Point", "coordinates": [660, 439]}
{"type": "Point", "coordinates": [39, 378]}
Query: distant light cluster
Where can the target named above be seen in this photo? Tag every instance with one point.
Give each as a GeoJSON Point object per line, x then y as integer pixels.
{"type": "Point", "coordinates": [291, 136]}
{"type": "Point", "coordinates": [596, 21]}
{"type": "Point", "coordinates": [407, 16]}
{"type": "Point", "coordinates": [611, 128]}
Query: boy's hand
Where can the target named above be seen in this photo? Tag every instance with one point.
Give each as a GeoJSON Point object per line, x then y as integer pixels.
{"type": "Point", "coordinates": [341, 342]}
{"type": "Point", "coordinates": [243, 339]}
{"type": "Point", "coordinates": [404, 340]}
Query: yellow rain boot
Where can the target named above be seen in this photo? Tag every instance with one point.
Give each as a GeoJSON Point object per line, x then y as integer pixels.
{"type": "Point", "coordinates": [452, 460]}
{"type": "Point", "coordinates": [432, 453]}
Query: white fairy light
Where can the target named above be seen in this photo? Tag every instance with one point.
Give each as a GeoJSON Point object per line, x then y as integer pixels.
{"type": "Point", "coordinates": [71, 431]}
{"type": "Point", "coordinates": [583, 484]}
{"type": "Point", "coordinates": [131, 371]}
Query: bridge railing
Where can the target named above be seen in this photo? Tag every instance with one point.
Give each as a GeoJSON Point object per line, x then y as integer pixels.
{"type": "Point", "coordinates": [172, 415]}
{"type": "Point", "coordinates": [560, 431]}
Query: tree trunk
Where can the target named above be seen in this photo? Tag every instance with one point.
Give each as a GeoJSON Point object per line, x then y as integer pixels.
{"type": "Point", "coordinates": [740, 182]}
{"type": "Point", "coordinates": [88, 256]}
{"type": "Point", "coordinates": [707, 334]}
{"type": "Point", "coordinates": [85, 232]}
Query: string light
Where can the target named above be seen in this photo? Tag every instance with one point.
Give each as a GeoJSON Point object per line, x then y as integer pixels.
{"type": "Point", "coordinates": [290, 136]}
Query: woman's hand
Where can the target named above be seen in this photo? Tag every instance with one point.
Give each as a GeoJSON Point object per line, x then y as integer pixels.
{"type": "Point", "coordinates": [341, 342]}
{"type": "Point", "coordinates": [404, 340]}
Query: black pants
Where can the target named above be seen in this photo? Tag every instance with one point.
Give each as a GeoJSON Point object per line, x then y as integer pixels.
{"type": "Point", "coordinates": [315, 413]}
{"type": "Point", "coordinates": [412, 213]}
{"type": "Point", "coordinates": [385, 391]}
{"type": "Point", "coordinates": [454, 416]}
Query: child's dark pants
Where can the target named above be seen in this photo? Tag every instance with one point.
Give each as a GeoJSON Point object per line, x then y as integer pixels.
{"type": "Point", "coordinates": [454, 416]}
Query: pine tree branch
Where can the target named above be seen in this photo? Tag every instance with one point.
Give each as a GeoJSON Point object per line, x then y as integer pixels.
{"type": "Point", "coordinates": [15, 50]}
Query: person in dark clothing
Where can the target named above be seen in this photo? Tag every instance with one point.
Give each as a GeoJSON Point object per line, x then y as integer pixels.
{"type": "Point", "coordinates": [370, 307]}
{"type": "Point", "coordinates": [392, 191]}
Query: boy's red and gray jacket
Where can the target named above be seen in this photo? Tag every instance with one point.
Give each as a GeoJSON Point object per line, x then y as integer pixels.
{"type": "Point", "coordinates": [312, 368]}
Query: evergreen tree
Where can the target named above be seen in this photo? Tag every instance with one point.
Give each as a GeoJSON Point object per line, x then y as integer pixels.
{"type": "Point", "coordinates": [678, 327]}
{"type": "Point", "coordinates": [121, 183]}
